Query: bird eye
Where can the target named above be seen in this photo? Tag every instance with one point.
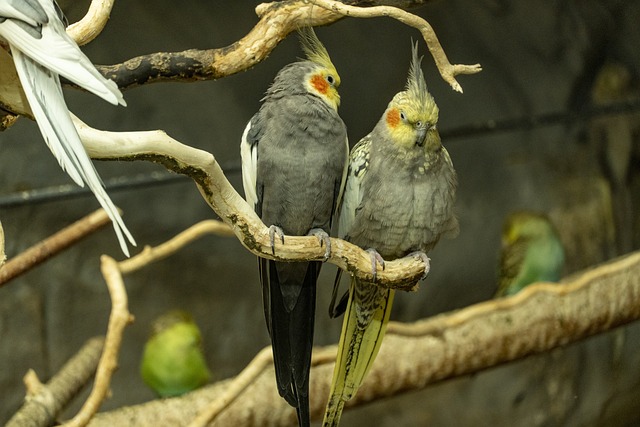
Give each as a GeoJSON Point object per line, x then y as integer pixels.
{"type": "Point", "coordinates": [402, 115]}
{"type": "Point", "coordinates": [330, 79]}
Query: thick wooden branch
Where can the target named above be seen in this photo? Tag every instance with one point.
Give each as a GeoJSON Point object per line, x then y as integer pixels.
{"type": "Point", "coordinates": [541, 317]}
{"type": "Point", "coordinates": [158, 147]}
{"type": "Point", "coordinates": [45, 401]}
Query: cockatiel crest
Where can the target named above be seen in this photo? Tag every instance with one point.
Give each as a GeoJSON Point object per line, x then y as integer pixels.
{"type": "Point", "coordinates": [324, 80]}
{"type": "Point", "coordinates": [412, 114]}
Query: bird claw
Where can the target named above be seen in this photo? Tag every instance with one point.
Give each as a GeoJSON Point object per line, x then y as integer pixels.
{"type": "Point", "coordinates": [376, 259]}
{"type": "Point", "coordinates": [323, 239]}
{"type": "Point", "coordinates": [425, 259]}
{"type": "Point", "coordinates": [273, 231]}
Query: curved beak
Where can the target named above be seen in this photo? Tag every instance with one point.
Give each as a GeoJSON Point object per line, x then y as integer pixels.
{"type": "Point", "coordinates": [421, 136]}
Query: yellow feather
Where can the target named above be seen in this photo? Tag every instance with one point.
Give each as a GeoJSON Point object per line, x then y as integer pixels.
{"type": "Point", "coordinates": [358, 347]}
{"type": "Point", "coordinates": [314, 49]}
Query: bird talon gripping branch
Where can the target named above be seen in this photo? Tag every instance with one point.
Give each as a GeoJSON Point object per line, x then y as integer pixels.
{"type": "Point", "coordinates": [273, 231]}
{"type": "Point", "coordinates": [376, 259]}
{"type": "Point", "coordinates": [323, 239]}
{"type": "Point", "coordinates": [425, 259]}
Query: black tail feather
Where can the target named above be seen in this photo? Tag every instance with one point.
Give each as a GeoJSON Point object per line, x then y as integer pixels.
{"type": "Point", "coordinates": [289, 297]}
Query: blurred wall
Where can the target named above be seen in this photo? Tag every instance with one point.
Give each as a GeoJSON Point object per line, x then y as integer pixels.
{"type": "Point", "coordinates": [537, 58]}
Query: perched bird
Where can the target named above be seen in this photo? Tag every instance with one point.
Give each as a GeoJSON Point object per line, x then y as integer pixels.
{"type": "Point", "coordinates": [173, 362]}
{"type": "Point", "coordinates": [531, 252]}
{"type": "Point", "coordinates": [294, 157]}
{"type": "Point", "coordinates": [398, 201]}
{"type": "Point", "coordinates": [42, 51]}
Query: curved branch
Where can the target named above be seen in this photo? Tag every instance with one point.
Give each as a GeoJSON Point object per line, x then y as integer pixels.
{"type": "Point", "coordinates": [447, 70]}
{"type": "Point", "coordinates": [92, 24]}
{"type": "Point", "coordinates": [277, 20]}
{"type": "Point", "coordinates": [158, 147]}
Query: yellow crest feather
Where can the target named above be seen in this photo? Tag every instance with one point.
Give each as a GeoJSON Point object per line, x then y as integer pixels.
{"type": "Point", "coordinates": [416, 84]}
{"type": "Point", "coordinates": [314, 49]}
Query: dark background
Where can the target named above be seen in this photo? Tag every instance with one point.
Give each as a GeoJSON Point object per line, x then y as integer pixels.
{"type": "Point", "coordinates": [537, 57]}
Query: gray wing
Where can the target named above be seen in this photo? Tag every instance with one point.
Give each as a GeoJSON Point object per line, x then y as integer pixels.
{"type": "Point", "coordinates": [352, 197]}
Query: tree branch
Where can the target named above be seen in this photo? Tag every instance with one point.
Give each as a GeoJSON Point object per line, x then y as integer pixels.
{"type": "Point", "coordinates": [149, 254]}
{"type": "Point", "coordinates": [44, 402]}
{"type": "Point", "coordinates": [118, 320]}
{"type": "Point", "coordinates": [446, 69]}
{"type": "Point", "coordinates": [92, 24]}
{"type": "Point", "coordinates": [277, 20]}
{"type": "Point", "coordinates": [539, 318]}
{"type": "Point", "coordinates": [42, 251]}
{"type": "Point", "coordinates": [158, 147]}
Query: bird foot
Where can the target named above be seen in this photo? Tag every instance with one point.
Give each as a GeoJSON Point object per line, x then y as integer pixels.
{"type": "Point", "coordinates": [376, 259]}
{"type": "Point", "coordinates": [425, 259]}
{"type": "Point", "coordinates": [323, 239]}
{"type": "Point", "coordinates": [274, 231]}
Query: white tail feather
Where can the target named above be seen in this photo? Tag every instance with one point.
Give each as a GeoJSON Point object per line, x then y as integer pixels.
{"type": "Point", "coordinates": [42, 88]}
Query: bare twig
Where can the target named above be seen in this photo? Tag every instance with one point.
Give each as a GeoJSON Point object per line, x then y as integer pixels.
{"type": "Point", "coordinates": [52, 245]}
{"type": "Point", "coordinates": [118, 320]}
{"type": "Point", "coordinates": [92, 24]}
{"type": "Point", "coordinates": [541, 317]}
{"type": "Point", "coordinates": [149, 254]}
{"type": "Point", "coordinates": [45, 401]}
{"type": "Point", "coordinates": [202, 167]}
{"type": "Point", "coordinates": [447, 70]}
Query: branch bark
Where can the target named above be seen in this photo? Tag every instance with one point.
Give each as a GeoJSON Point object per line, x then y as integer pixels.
{"type": "Point", "coordinates": [539, 318]}
{"type": "Point", "coordinates": [158, 147]}
{"type": "Point", "coordinates": [44, 402]}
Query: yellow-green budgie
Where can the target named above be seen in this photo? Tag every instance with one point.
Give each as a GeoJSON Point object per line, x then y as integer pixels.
{"type": "Point", "coordinates": [531, 252]}
{"type": "Point", "coordinates": [173, 362]}
{"type": "Point", "coordinates": [398, 201]}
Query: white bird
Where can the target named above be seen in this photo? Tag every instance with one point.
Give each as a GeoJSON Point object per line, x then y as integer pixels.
{"type": "Point", "coordinates": [42, 51]}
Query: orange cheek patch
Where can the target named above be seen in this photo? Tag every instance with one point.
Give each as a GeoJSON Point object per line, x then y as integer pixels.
{"type": "Point", "coordinates": [321, 85]}
{"type": "Point", "coordinates": [393, 118]}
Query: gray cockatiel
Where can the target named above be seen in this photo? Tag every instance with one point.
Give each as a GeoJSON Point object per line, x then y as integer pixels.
{"type": "Point", "coordinates": [398, 200]}
{"type": "Point", "coordinates": [294, 156]}
{"type": "Point", "coordinates": [42, 51]}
